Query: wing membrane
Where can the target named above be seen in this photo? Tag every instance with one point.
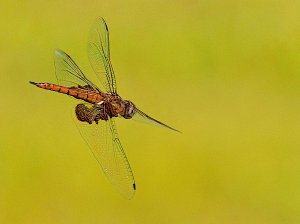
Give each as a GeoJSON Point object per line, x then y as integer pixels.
{"type": "Point", "coordinates": [103, 140]}
{"type": "Point", "coordinates": [99, 55]}
{"type": "Point", "coordinates": [141, 116]}
{"type": "Point", "coordinates": [67, 72]}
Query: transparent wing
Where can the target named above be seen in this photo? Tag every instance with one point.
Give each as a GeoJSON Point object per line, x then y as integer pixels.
{"type": "Point", "coordinates": [142, 117]}
{"type": "Point", "coordinates": [99, 55]}
{"type": "Point", "coordinates": [102, 138]}
{"type": "Point", "coordinates": [68, 73]}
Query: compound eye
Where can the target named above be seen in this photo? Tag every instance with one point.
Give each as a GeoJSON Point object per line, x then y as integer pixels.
{"type": "Point", "coordinates": [130, 111]}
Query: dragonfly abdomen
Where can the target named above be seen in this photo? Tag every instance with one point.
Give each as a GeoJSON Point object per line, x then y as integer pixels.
{"type": "Point", "coordinates": [83, 93]}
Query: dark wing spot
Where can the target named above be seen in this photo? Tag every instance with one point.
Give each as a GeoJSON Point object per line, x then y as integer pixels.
{"type": "Point", "coordinates": [134, 186]}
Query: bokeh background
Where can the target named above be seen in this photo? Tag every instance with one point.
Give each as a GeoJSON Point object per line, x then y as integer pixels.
{"type": "Point", "coordinates": [225, 73]}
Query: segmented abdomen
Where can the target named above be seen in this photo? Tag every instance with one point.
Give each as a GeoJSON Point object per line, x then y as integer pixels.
{"type": "Point", "coordinates": [85, 93]}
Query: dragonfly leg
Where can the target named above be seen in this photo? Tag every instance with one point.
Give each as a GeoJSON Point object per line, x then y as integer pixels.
{"type": "Point", "coordinates": [86, 114]}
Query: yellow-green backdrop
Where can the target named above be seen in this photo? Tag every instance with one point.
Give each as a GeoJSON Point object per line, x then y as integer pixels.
{"type": "Point", "coordinates": [226, 73]}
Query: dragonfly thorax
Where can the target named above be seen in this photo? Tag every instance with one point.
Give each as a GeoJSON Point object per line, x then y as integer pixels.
{"type": "Point", "coordinates": [116, 106]}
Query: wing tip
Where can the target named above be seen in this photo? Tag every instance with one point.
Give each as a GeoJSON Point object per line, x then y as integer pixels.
{"type": "Point", "coordinates": [129, 195]}
{"type": "Point", "coordinates": [173, 129]}
{"type": "Point", "coordinates": [100, 18]}
{"type": "Point", "coordinates": [169, 127]}
{"type": "Point", "coordinates": [177, 130]}
{"type": "Point", "coordinates": [134, 187]}
{"type": "Point", "coordinates": [58, 51]}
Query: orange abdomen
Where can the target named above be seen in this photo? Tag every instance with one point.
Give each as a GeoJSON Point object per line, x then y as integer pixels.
{"type": "Point", "coordinates": [88, 95]}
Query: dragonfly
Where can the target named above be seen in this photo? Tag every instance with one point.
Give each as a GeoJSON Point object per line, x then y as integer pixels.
{"type": "Point", "coordinates": [97, 110]}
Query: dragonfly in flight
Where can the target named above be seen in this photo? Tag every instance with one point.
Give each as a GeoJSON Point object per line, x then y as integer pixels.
{"type": "Point", "coordinates": [96, 113]}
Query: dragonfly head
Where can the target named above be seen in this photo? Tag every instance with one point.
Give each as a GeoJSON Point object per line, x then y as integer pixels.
{"type": "Point", "coordinates": [129, 109]}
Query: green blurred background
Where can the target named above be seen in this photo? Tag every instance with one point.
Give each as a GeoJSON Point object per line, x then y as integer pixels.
{"type": "Point", "coordinates": [225, 73]}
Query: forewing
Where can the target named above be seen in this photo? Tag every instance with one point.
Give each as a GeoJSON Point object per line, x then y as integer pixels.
{"type": "Point", "coordinates": [99, 55]}
{"type": "Point", "coordinates": [102, 138]}
{"type": "Point", "coordinates": [67, 72]}
{"type": "Point", "coordinates": [142, 117]}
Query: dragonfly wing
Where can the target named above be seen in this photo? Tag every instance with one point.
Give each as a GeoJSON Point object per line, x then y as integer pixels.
{"type": "Point", "coordinates": [142, 117]}
{"type": "Point", "coordinates": [99, 55]}
{"type": "Point", "coordinates": [68, 73]}
{"type": "Point", "coordinates": [103, 140]}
